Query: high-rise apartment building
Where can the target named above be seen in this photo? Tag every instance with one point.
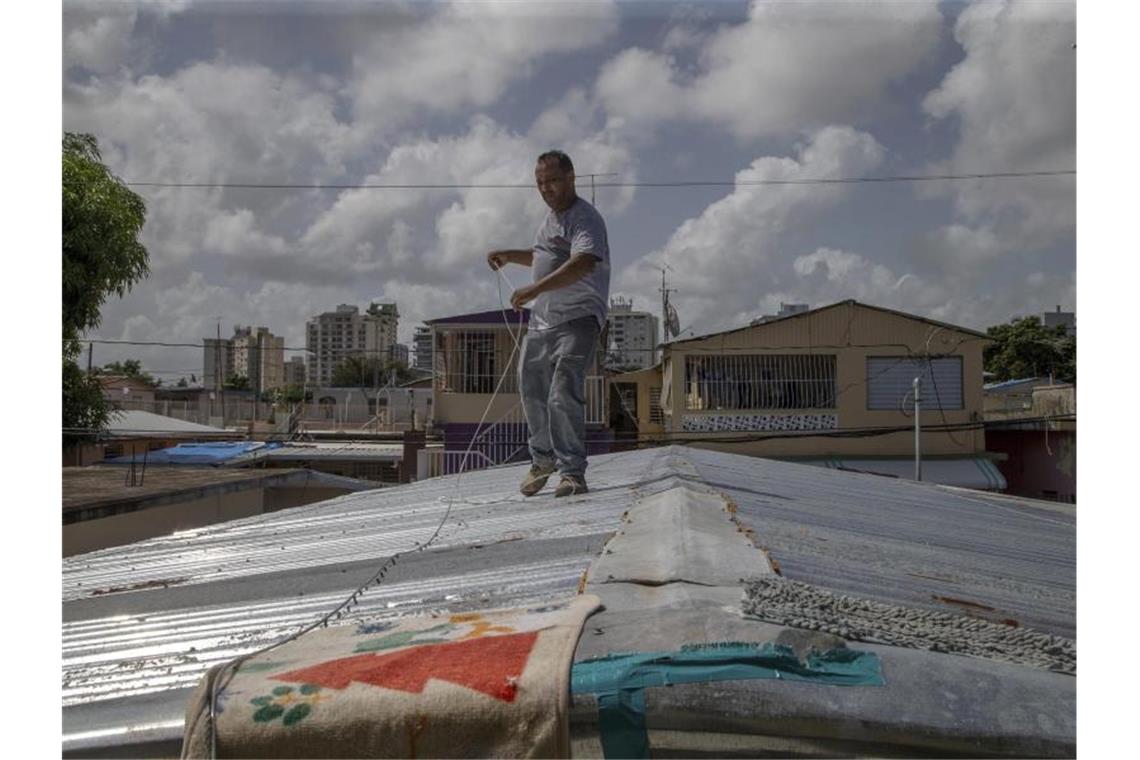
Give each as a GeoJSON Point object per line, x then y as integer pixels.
{"type": "Point", "coordinates": [421, 346]}
{"type": "Point", "coordinates": [260, 356]}
{"type": "Point", "coordinates": [337, 335]}
{"type": "Point", "coordinates": [398, 352]}
{"type": "Point", "coordinates": [1058, 318]}
{"type": "Point", "coordinates": [632, 336]}
{"type": "Point", "coordinates": [295, 371]}
{"type": "Point", "coordinates": [253, 352]}
{"type": "Point", "coordinates": [217, 362]}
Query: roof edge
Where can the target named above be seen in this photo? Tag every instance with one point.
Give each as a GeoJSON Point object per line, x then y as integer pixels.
{"type": "Point", "coordinates": [810, 312]}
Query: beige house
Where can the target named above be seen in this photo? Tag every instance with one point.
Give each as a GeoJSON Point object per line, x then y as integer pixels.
{"type": "Point", "coordinates": [830, 386]}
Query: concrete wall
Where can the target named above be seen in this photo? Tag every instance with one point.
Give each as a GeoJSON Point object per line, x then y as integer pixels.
{"type": "Point", "coordinates": [469, 407]}
{"type": "Point", "coordinates": [1040, 464]}
{"type": "Point", "coordinates": [163, 520]}
{"type": "Point", "coordinates": [117, 530]}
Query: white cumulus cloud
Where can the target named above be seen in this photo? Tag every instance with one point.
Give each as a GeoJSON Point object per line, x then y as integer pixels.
{"type": "Point", "coordinates": [465, 55]}
{"type": "Point", "coordinates": [1013, 99]}
{"type": "Point", "coordinates": [788, 67]}
{"type": "Point", "coordinates": [724, 258]}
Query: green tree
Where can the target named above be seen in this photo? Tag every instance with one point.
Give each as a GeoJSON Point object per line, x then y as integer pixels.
{"type": "Point", "coordinates": [369, 372]}
{"type": "Point", "coordinates": [404, 373]}
{"type": "Point", "coordinates": [358, 372]}
{"type": "Point", "coordinates": [1026, 348]}
{"type": "Point", "coordinates": [294, 392]}
{"type": "Point", "coordinates": [236, 383]}
{"type": "Point", "coordinates": [102, 219]}
{"type": "Point", "coordinates": [130, 368]}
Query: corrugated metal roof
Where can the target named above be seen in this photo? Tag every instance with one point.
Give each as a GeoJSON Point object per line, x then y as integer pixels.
{"type": "Point", "coordinates": [813, 312]}
{"type": "Point", "coordinates": [964, 472]}
{"type": "Point", "coordinates": [909, 543]}
{"type": "Point", "coordinates": [304, 452]}
{"type": "Point", "coordinates": [144, 621]}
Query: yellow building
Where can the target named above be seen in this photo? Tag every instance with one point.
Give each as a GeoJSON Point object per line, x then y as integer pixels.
{"type": "Point", "coordinates": [831, 386]}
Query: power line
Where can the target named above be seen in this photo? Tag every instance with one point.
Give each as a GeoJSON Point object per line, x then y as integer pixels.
{"type": "Point", "coordinates": [664, 184]}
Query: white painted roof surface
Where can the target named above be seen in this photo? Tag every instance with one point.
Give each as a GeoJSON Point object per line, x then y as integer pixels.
{"type": "Point", "coordinates": [131, 421]}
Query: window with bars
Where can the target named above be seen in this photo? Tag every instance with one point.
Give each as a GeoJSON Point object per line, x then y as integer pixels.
{"type": "Point", "coordinates": [760, 381]}
{"type": "Point", "coordinates": [656, 415]}
{"type": "Point", "coordinates": [470, 361]}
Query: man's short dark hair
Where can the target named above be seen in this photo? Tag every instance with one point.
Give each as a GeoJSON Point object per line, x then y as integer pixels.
{"type": "Point", "coordinates": [564, 162]}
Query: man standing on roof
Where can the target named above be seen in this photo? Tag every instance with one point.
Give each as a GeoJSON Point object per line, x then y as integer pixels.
{"type": "Point", "coordinates": [570, 290]}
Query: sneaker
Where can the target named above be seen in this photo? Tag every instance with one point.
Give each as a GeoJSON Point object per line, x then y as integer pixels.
{"type": "Point", "coordinates": [535, 479]}
{"type": "Point", "coordinates": [571, 485]}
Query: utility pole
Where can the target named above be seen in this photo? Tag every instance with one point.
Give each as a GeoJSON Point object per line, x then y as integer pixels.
{"type": "Point", "coordinates": [218, 374]}
{"type": "Point", "coordinates": [592, 188]}
{"type": "Point", "coordinates": [667, 324]}
{"type": "Point", "coordinates": [917, 429]}
{"type": "Point", "coordinates": [90, 349]}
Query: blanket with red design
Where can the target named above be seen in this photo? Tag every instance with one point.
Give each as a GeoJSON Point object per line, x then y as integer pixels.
{"type": "Point", "coordinates": [474, 684]}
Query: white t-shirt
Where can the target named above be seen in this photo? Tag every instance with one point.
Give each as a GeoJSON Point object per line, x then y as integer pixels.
{"type": "Point", "coordinates": [578, 229]}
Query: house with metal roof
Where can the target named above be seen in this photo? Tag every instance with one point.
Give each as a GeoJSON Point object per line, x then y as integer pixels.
{"type": "Point", "coordinates": [132, 431]}
{"type": "Point", "coordinates": [832, 386]}
{"type": "Point", "coordinates": [749, 607]}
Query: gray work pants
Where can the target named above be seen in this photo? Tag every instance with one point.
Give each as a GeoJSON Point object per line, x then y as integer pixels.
{"type": "Point", "coordinates": [552, 379]}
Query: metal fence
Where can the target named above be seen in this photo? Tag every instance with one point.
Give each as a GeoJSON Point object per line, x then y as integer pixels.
{"type": "Point", "coordinates": [433, 462]}
{"type": "Point", "coordinates": [376, 412]}
{"type": "Point", "coordinates": [596, 400]}
{"type": "Point", "coordinates": [502, 440]}
{"type": "Point", "coordinates": [760, 381]}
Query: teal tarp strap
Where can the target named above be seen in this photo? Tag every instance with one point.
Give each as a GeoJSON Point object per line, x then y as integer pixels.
{"type": "Point", "coordinates": [618, 680]}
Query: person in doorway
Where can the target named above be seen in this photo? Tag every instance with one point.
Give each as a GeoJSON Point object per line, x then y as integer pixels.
{"type": "Point", "coordinates": [570, 260]}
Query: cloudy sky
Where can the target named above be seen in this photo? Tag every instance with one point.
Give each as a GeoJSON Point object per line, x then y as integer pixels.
{"type": "Point", "coordinates": [466, 94]}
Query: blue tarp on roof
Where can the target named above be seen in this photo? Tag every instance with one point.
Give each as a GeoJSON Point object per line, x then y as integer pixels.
{"type": "Point", "coordinates": [197, 453]}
